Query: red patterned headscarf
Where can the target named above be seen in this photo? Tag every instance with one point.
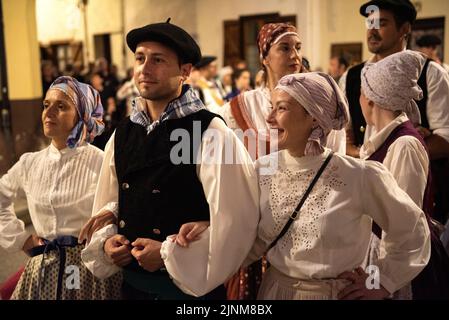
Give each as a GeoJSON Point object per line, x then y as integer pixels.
{"type": "Point", "coordinates": [270, 34]}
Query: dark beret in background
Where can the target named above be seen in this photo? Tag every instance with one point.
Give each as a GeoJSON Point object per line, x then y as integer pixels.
{"type": "Point", "coordinates": [205, 61]}
{"type": "Point", "coordinates": [428, 40]}
{"type": "Point", "coordinates": [404, 8]}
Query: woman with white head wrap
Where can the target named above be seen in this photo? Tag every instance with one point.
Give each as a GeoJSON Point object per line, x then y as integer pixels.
{"type": "Point", "coordinates": [320, 254]}
{"type": "Point", "coordinates": [389, 90]}
{"type": "Point", "coordinates": [59, 182]}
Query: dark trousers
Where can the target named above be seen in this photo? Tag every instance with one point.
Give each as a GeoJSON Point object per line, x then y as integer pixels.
{"type": "Point", "coordinates": [130, 292]}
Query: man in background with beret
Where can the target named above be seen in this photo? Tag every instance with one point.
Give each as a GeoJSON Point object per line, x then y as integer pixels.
{"type": "Point", "coordinates": [152, 193]}
{"type": "Point", "coordinates": [428, 44]}
{"type": "Point", "coordinates": [206, 83]}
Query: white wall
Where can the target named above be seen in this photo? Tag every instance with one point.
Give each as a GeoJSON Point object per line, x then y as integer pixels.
{"type": "Point", "coordinates": [142, 12]}
{"type": "Point", "coordinates": [340, 23]}
{"type": "Point", "coordinates": [211, 15]}
{"type": "Point", "coordinates": [22, 52]}
{"type": "Point", "coordinates": [58, 21]}
{"type": "Point", "coordinates": [320, 22]}
{"type": "Point", "coordinates": [62, 20]}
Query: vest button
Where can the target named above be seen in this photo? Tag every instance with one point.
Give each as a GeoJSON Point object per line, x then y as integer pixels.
{"type": "Point", "coordinates": [125, 186]}
{"type": "Point", "coordinates": [121, 224]}
{"type": "Point", "coordinates": [156, 231]}
{"type": "Point", "coordinates": [362, 129]}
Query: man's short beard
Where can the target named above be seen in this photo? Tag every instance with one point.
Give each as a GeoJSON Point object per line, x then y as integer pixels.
{"type": "Point", "coordinates": [156, 96]}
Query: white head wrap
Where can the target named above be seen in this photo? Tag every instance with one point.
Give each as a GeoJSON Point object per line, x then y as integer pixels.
{"type": "Point", "coordinates": [392, 83]}
{"type": "Point", "coordinates": [320, 95]}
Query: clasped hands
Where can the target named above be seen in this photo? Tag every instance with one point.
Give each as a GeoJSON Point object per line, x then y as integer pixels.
{"type": "Point", "coordinates": [146, 251]}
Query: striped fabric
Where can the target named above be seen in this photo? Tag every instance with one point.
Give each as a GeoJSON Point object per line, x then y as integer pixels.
{"type": "Point", "coordinates": [181, 107]}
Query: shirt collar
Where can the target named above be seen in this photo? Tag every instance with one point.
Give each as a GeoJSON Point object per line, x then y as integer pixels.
{"type": "Point", "coordinates": [378, 138]}
{"type": "Point", "coordinates": [186, 104]}
{"type": "Point", "coordinates": [56, 154]}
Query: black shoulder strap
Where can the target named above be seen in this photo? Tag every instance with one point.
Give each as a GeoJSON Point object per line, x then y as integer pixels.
{"type": "Point", "coordinates": [422, 104]}
{"type": "Point", "coordinates": [303, 199]}
{"type": "Point", "coordinates": [353, 83]}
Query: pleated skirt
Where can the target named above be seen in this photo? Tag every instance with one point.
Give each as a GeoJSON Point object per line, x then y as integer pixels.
{"type": "Point", "coordinates": [77, 282]}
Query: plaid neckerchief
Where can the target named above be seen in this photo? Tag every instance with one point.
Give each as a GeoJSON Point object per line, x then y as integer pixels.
{"type": "Point", "coordinates": [186, 104]}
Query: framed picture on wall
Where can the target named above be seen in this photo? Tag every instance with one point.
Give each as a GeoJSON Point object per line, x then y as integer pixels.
{"type": "Point", "coordinates": [351, 51]}
{"type": "Point", "coordinates": [240, 38]}
{"type": "Point", "coordinates": [432, 26]}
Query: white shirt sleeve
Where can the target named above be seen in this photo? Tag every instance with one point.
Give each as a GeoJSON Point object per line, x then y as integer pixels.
{"type": "Point", "coordinates": [106, 195]}
{"type": "Point", "coordinates": [94, 257]}
{"type": "Point", "coordinates": [226, 113]}
{"type": "Point", "coordinates": [407, 160]}
{"type": "Point", "coordinates": [336, 141]}
{"type": "Point", "coordinates": [12, 230]}
{"type": "Point", "coordinates": [232, 193]}
{"type": "Point", "coordinates": [342, 82]}
{"type": "Point", "coordinates": [106, 198]}
{"type": "Point", "coordinates": [405, 246]}
{"type": "Point", "coordinates": [438, 100]}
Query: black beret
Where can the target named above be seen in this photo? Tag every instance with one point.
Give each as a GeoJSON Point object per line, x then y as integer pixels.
{"type": "Point", "coordinates": [428, 40]}
{"type": "Point", "coordinates": [404, 8]}
{"type": "Point", "coordinates": [205, 61]}
{"type": "Point", "coordinates": [169, 35]}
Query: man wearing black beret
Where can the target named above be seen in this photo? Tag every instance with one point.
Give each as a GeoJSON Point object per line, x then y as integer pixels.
{"type": "Point", "coordinates": [386, 35]}
{"type": "Point", "coordinates": [159, 172]}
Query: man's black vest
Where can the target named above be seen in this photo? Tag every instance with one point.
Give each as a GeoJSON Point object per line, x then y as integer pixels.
{"type": "Point", "coordinates": [353, 84]}
{"type": "Point", "coordinates": [156, 196]}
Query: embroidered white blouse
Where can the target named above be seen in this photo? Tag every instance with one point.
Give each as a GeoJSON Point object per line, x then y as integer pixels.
{"type": "Point", "coordinates": [59, 187]}
{"type": "Point", "coordinates": [333, 230]}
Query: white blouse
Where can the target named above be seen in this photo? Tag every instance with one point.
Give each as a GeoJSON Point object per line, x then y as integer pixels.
{"type": "Point", "coordinates": [257, 107]}
{"type": "Point", "coordinates": [232, 194]}
{"type": "Point", "coordinates": [59, 186]}
{"type": "Point", "coordinates": [332, 233]}
{"type": "Point", "coordinates": [406, 159]}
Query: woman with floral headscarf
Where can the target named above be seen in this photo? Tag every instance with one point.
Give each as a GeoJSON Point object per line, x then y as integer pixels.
{"type": "Point", "coordinates": [316, 209]}
{"type": "Point", "coordinates": [59, 183]}
{"type": "Point", "coordinates": [388, 93]}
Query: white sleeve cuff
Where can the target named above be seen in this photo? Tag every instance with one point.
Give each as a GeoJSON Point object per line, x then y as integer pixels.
{"type": "Point", "coordinates": [110, 206]}
{"type": "Point", "coordinates": [94, 257]}
{"type": "Point", "coordinates": [13, 236]}
{"type": "Point", "coordinates": [388, 284]}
